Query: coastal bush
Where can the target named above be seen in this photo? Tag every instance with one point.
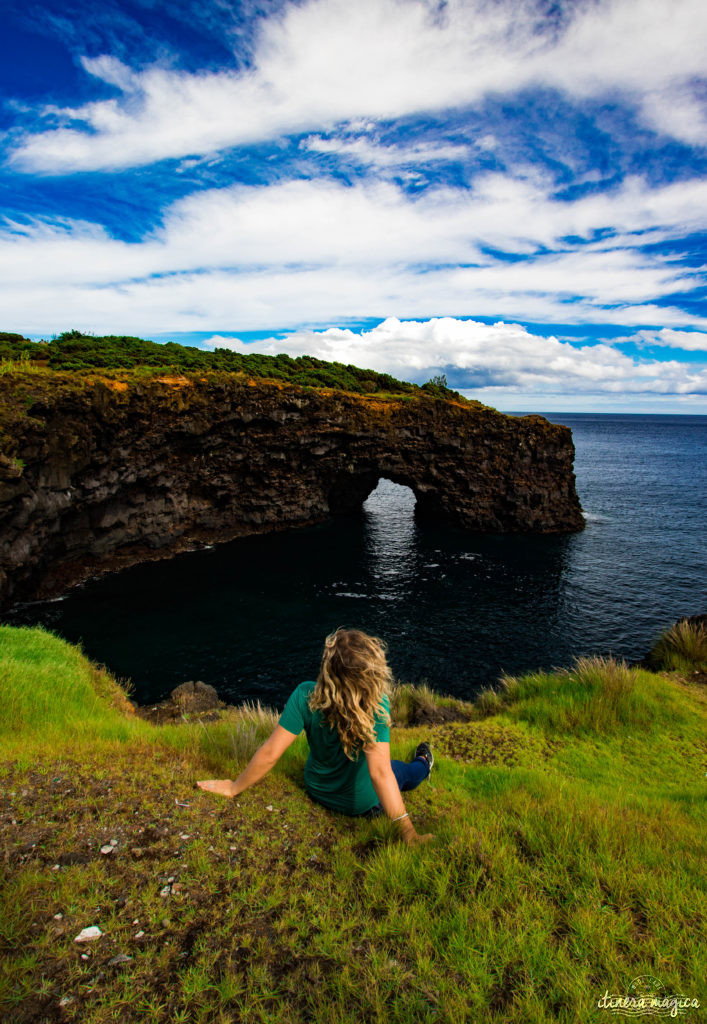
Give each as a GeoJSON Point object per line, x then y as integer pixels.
{"type": "Point", "coordinates": [682, 647]}
{"type": "Point", "coordinates": [76, 352]}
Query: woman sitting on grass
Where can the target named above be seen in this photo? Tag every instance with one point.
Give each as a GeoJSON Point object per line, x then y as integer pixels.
{"type": "Point", "coordinates": [344, 712]}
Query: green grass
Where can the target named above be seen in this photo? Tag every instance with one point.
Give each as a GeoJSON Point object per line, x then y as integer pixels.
{"type": "Point", "coordinates": [570, 821]}
{"type": "Point", "coordinates": [682, 647]}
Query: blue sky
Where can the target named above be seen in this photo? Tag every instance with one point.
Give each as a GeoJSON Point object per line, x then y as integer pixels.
{"type": "Point", "coordinates": [511, 193]}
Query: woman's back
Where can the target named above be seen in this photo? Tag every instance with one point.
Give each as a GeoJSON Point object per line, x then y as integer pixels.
{"type": "Point", "coordinates": [329, 775]}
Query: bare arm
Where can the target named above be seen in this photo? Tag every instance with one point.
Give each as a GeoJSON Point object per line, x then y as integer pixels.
{"type": "Point", "coordinates": [266, 757]}
{"type": "Point", "coordinates": [387, 791]}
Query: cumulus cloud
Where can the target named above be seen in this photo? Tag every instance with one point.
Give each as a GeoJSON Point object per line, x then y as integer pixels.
{"type": "Point", "coordinates": [326, 62]}
{"type": "Point", "coordinates": [690, 341]}
{"type": "Point", "coordinates": [477, 355]}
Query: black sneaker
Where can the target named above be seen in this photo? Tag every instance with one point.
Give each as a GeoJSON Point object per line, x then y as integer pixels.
{"type": "Point", "coordinates": [424, 751]}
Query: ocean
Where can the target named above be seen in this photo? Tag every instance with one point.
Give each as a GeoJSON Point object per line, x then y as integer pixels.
{"type": "Point", "coordinates": [456, 609]}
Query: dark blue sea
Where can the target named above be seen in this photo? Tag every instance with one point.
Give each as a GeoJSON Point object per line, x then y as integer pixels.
{"type": "Point", "coordinates": [456, 608]}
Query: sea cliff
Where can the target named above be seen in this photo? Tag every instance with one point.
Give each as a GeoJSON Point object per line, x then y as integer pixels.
{"type": "Point", "coordinates": [103, 470]}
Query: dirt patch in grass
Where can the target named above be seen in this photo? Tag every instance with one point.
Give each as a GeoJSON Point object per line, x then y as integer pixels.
{"type": "Point", "coordinates": [489, 742]}
{"type": "Point", "coordinates": [438, 715]}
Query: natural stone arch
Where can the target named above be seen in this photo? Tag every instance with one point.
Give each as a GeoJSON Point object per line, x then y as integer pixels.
{"type": "Point", "coordinates": [107, 475]}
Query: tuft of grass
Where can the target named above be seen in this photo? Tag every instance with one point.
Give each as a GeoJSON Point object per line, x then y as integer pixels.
{"type": "Point", "coordinates": [230, 741]}
{"type": "Point", "coordinates": [682, 647]}
{"type": "Point", "coordinates": [413, 703]}
{"type": "Point", "coordinates": [408, 700]}
{"type": "Point", "coordinates": [597, 695]}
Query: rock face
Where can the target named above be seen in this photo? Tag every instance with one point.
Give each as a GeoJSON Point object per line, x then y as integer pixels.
{"type": "Point", "coordinates": [105, 473]}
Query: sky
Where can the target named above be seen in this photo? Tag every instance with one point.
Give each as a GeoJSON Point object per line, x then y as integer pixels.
{"type": "Point", "coordinates": [509, 192]}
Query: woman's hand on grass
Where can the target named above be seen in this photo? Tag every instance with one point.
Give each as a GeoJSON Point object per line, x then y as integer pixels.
{"type": "Point", "coordinates": [224, 787]}
{"type": "Point", "coordinates": [414, 838]}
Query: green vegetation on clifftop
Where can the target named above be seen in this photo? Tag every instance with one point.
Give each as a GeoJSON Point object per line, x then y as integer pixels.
{"type": "Point", "coordinates": [75, 352]}
{"type": "Point", "coordinates": [570, 816]}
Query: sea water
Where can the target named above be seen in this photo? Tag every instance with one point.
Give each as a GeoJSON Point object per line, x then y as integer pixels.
{"type": "Point", "coordinates": [457, 609]}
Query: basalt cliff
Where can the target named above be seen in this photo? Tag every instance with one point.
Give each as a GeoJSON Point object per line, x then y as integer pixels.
{"type": "Point", "coordinates": [100, 472]}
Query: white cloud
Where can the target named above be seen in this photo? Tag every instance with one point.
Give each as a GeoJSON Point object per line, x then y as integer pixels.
{"type": "Point", "coordinates": [328, 62]}
{"type": "Point", "coordinates": [691, 341]}
{"type": "Point", "coordinates": [363, 151]}
{"type": "Point", "coordinates": [318, 251]}
{"type": "Point", "coordinates": [501, 355]}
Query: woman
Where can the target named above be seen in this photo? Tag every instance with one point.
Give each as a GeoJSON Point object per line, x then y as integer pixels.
{"type": "Point", "coordinates": [345, 712]}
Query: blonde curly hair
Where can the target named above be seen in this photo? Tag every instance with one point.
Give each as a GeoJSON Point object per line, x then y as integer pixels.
{"type": "Point", "coordinates": [352, 681]}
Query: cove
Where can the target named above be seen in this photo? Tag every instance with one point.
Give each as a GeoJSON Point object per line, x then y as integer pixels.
{"type": "Point", "coordinates": [456, 608]}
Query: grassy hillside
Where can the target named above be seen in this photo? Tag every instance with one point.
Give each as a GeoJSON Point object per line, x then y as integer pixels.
{"type": "Point", "coordinates": [570, 821]}
{"type": "Point", "coordinates": [74, 352]}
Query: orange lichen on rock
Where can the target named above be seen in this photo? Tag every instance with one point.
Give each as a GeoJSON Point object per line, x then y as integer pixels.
{"type": "Point", "coordinates": [175, 381]}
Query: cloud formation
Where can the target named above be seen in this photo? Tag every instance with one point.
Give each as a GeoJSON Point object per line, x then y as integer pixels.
{"type": "Point", "coordinates": [476, 355]}
{"type": "Point", "coordinates": [328, 62]}
{"type": "Point", "coordinates": [405, 161]}
{"type": "Point", "coordinates": [317, 251]}
{"type": "Point", "coordinates": [690, 341]}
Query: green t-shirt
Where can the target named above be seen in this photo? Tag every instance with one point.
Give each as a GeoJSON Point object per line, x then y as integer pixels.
{"type": "Point", "coordinates": [329, 776]}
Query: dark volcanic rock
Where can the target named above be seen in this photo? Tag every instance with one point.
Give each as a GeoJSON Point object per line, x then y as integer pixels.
{"type": "Point", "coordinates": [99, 474]}
{"type": "Point", "coordinates": [196, 696]}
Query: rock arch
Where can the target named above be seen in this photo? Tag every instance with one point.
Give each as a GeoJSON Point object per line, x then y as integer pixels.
{"type": "Point", "coordinates": [107, 475]}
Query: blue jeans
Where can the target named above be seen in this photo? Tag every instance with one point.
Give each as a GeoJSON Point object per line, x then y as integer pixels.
{"type": "Point", "coordinates": [408, 775]}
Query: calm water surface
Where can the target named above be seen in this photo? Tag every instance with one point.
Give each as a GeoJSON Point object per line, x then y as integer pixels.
{"type": "Point", "coordinates": [456, 608]}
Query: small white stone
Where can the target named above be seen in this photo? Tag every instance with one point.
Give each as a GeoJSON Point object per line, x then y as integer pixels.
{"type": "Point", "coordinates": [58, 917]}
{"type": "Point", "coordinates": [233, 847]}
{"type": "Point", "coordinates": [136, 921]}
{"type": "Point", "coordinates": [114, 842]}
{"type": "Point", "coordinates": [185, 837]}
{"type": "Point", "coordinates": [88, 934]}
{"type": "Point", "coordinates": [139, 935]}
{"type": "Point", "coordinates": [65, 1000]}
{"type": "Point", "coordinates": [56, 867]}
{"type": "Point", "coordinates": [166, 891]}
{"type": "Point", "coordinates": [84, 956]}
{"type": "Point", "coordinates": [270, 808]}
{"type": "Point", "coordinates": [105, 850]}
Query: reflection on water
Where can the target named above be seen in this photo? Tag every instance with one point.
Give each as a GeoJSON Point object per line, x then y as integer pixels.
{"type": "Point", "coordinates": [456, 608]}
{"type": "Point", "coordinates": [391, 543]}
